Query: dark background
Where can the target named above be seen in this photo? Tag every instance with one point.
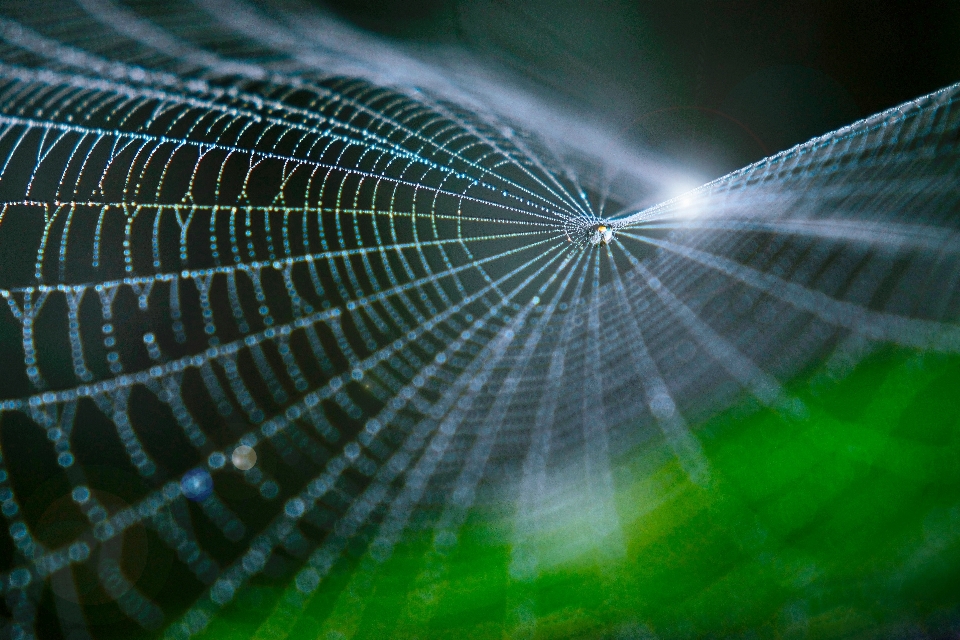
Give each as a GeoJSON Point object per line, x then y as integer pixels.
{"type": "Point", "coordinates": [714, 84]}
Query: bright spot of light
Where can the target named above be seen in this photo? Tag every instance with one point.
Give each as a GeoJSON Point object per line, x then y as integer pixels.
{"type": "Point", "coordinates": [686, 199]}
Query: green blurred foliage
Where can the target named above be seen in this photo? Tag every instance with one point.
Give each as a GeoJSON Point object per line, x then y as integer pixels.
{"type": "Point", "coordinates": [842, 523]}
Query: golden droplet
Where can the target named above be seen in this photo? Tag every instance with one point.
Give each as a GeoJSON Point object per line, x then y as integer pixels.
{"type": "Point", "coordinates": [244, 457]}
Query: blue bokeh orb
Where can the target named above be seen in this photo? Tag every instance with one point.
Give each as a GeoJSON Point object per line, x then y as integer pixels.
{"type": "Point", "coordinates": [197, 484]}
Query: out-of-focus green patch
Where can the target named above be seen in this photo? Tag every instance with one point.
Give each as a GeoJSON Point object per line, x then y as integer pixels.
{"type": "Point", "coordinates": [841, 523]}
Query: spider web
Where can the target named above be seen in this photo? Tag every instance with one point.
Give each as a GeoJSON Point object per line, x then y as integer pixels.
{"type": "Point", "coordinates": [226, 224]}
